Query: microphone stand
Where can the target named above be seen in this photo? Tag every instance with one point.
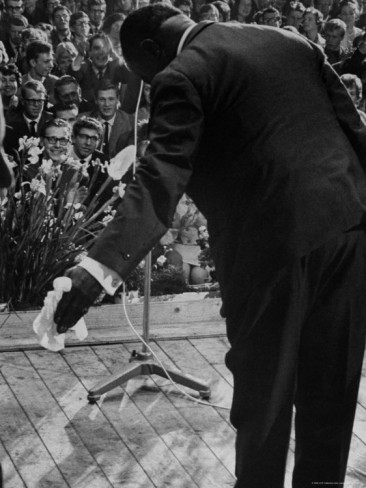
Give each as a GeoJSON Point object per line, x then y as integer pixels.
{"type": "Point", "coordinates": [143, 363]}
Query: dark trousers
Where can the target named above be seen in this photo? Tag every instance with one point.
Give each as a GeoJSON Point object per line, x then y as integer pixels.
{"type": "Point", "coordinates": [300, 341]}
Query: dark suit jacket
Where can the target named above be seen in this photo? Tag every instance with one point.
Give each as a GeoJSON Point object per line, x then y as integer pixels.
{"type": "Point", "coordinates": [16, 127]}
{"type": "Point", "coordinates": [116, 72]}
{"type": "Point", "coordinates": [257, 127]}
{"type": "Point", "coordinates": [121, 134]}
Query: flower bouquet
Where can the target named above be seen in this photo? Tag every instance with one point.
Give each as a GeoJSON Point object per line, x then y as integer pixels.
{"type": "Point", "coordinates": [45, 226]}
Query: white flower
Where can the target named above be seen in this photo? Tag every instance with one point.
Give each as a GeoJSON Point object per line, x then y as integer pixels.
{"type": "Point", "coordinates": [33, 159]}
{"type": "Point", "coordinates": [107, 219]}
{"type": "Point", "coordinates": [78, 215]}
{"type": "Point", "coordinates": [161, 260]}
{"type": "Point", "coordinates": [120, 189]}
{"type": "Point", "coordinates": [38, 186]}
{"type": "Point", "coordinates": [28, 143]}
{"type": "Point", "coordinates": [47, 166]}
{"type": "Point", "coordinates": [35, 150]}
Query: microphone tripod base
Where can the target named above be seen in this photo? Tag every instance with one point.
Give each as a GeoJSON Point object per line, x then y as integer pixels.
{"type": "Point", "coordinates": [143, 364]}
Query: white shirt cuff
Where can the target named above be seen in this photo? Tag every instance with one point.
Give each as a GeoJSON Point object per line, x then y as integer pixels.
{"type": "Point", "coordinates": [107, 277]}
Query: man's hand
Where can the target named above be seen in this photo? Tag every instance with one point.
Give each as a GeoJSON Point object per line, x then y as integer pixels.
{"type": "Point", "coordinates": [75, 303]}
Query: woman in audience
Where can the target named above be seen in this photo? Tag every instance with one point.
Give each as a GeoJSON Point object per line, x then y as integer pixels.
{"type": "Point", "coordinates": [349, 13]}
{"type": "Point", "coordinates": [10, 83]}
{"type": "Point", "coordinates": [65, 56]}
{"type": "Point", "coordinates": [311, 26]}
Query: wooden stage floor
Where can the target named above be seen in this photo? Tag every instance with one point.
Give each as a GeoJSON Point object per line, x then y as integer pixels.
{"type": "Point", "coordinates": [142, 436]}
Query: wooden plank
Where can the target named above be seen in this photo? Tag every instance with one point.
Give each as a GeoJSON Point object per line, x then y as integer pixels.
{"type": "Point", "coordinates": [128, 421]}
{"type": "Point", "coordinates": [11, 477]}
{"type": "Point", "coordinates": [53, 427]}
{"type": "Point", "coordinates": [197, 458]}
{"type": "Point", "coordinates": [29, 455]}
{"type": "Point", "coordinates": [210, 424]}
{"type": "Point", "coordinates": [214, 349]}
{"type": "Point", "coordinates": [160, 312]}
{"type": "Point", "coordinates": [23, 338]}
{"type": "Point", "coordinates": [109, 457]}
{"type": "Point", "coordinates": [108, 324]}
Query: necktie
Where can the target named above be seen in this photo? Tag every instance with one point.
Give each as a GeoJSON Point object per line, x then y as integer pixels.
{"type": "Point", "coordinates": [100, 74]}
{"type": "Point", "coordinates": [106, 140]}
{"type": "Point", "coordinates": [32, 129]}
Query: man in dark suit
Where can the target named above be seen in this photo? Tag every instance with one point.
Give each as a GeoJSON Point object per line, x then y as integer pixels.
{"type": "Point", "coordinates": [275, 159]}
{"type": "Point", "coordinates": [99, 66]}
{"type": "Point", "coordinates": [117, 129]}
{"type": "Point", "coordinates": [29, 117]}
{"type": "Point", "coordinates": [39, 56]}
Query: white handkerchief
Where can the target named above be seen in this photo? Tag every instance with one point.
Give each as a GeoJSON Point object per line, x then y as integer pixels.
{"type": "Point", "coordinates": [44, 325]}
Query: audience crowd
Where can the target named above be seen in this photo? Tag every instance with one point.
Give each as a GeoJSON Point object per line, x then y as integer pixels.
{"type": "Point", "coordinates": [63, 78]}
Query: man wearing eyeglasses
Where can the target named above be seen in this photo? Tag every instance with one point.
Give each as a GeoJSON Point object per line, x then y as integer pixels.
{"type": "Point", "coordinates": [271, 16]}
{"type": "Point", "coordinates": [86, 135]}
{"type": "Point", "coordinates": [96, 12]}
{"type": "Point", "coordinates": [29, 117]}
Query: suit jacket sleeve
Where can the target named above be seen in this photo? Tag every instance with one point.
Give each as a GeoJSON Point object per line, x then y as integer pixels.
{"type": "Point", "coordinates": [148, 206]}
{"type": "Point", "coordinates": [346, 112]}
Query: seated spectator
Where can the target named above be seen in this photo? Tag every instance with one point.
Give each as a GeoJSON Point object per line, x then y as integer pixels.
{"type": "Point", "coordinates": [65, 55]}
{"type": "Point", "coordinates": [334, 31]}
{"type": "Point", "coordinates": [80, 28]}
{"type": "Point", "coordinates": [361, 21]}
{"type": "Point", "coordinates": [66, 111]}
{"type": "Point", "coordinates": [86, 136]}
{"type": "Point", "coordinates": [32, 12]}
{"type": "Point", "coordinates": [245, 10]}
{"type": "Point", "coordinates": [354, 88]}
{"type": "Point", "coordinates": [324, 6]}
{"type": "Point", "coordinates": [349, 13]}
{"type": "Point", "coordinates": [271, 16]}
{"type": "Point", "coordinates": [47, 11]}
{"type": "Point", "coordinates": [46, 29]}
{"type": "Point", "coordinates": [11, 7]}
{"type": "Point", "coordinates": [294, 13]}
{"type": "Point", "coordinates": [208, 12]}
{"type": "Point", "coordinates": [67, 90]}
{"type": "Point", "coordinates": [28, 118]}
{"type": "Point", "coordinates": [39, 56]}
{"type": "Point", "coordinates": [99, 66]}
{"type": "Point", "coordinates": [312, 23]}
{"type": "Point", "coordinates": [27, 36]}
{"type": "Point", "coordinates": [224, 10]}
{"type": "Point", "coordinates": [117, 127]}
{"type": "Point", "coordinates": [16, 24]}
{"type": "Point", "coordinates": [111, 27]}
{"type": "Point", "coordinates": [56, 140]}
{"type": "Point", "coordinates": [71, 5]}
{"type": "Point", "coordinates": [97, 12]}
{"type": "Point", "coordinates": [279, 5]}
{"type": "Point", "coordinates": [10, 83]}
{"type": "Point", "coordinates": [61, 21]}
{"type": "Point", "coordinates": [184, 6]}
{"type": "Point", "coordinates": [120, 6]}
